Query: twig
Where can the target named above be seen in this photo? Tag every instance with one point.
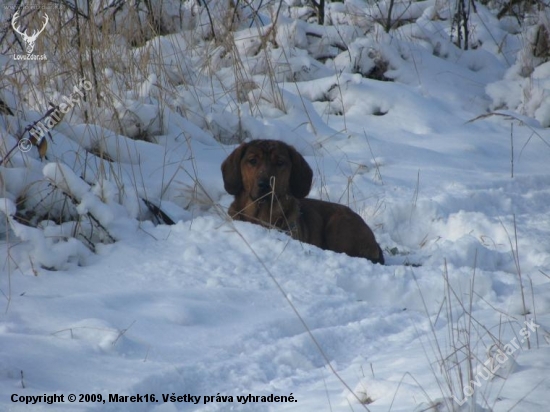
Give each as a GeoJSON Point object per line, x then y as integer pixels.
{"type": "Point", "coordinates": [373, 158]}
{"type": "Point", "coordinates": [511, 116]}
{"type": "Point", "coordinates": [512, 148]}
{"type": "Point", "coordinates": [122, 332]}
{"type": "Point", "coordinates": [210, 19]}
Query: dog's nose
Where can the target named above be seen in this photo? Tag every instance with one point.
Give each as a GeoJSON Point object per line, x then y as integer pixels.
{"type": "Point", "coordinates": [263, 185]}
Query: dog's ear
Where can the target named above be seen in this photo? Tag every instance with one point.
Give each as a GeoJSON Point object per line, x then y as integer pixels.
{"type": "Point", "coordinates": [301, 175]}
{"type": "Point", "coordinates": [231, 171]}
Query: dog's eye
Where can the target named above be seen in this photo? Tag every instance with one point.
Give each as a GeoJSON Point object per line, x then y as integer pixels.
{"type": "Point", "coordinates": [253, 161]}
{"type": "Point", "coordinates": [280, 163]}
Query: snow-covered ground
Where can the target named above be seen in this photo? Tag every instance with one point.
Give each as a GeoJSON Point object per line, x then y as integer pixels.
{"type": "Point", "coordinates": [447, 162]}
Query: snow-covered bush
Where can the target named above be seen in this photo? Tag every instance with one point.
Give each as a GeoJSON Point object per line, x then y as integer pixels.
{"type": "Point", "coordinates": [526, 85]}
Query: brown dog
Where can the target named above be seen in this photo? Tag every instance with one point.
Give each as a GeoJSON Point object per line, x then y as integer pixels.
{"type": "Point", "coordinates": [270, 181]}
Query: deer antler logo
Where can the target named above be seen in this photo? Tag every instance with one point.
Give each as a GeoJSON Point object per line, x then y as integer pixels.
{"type": "Point", "coordinates": [29, 40]}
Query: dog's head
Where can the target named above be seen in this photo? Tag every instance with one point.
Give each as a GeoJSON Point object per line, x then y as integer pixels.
{"type": "Point", "coordinates": [260, 166]}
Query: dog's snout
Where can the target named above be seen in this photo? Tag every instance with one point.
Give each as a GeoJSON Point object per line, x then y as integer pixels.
{"type": "Point", "coordinates": [264, 185]}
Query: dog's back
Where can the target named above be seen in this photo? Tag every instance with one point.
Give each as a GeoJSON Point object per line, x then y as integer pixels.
{"type": "Point", "coordinates": [336, 227]}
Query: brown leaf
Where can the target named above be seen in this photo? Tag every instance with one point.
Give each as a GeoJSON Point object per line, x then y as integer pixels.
{"type": "Point", "coordinates": [42, 148]}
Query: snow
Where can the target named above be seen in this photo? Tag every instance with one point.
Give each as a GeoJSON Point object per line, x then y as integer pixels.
{"type": "Point", "coordinates": [446, 160]}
